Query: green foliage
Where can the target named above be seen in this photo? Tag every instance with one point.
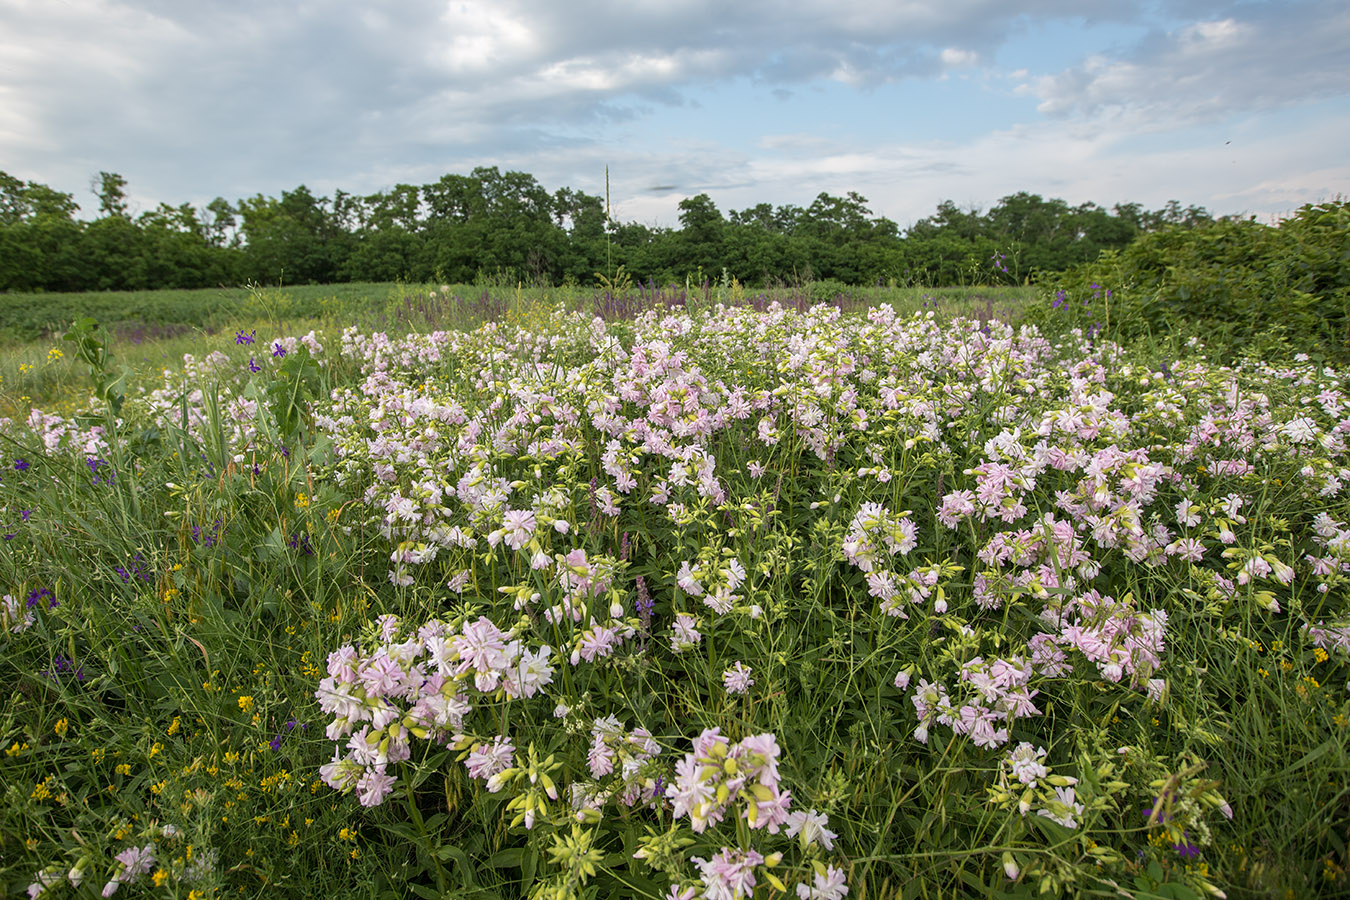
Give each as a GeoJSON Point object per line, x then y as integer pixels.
{"type": "Point", "coordinates": [91, 348]}
{"type": "Point", "coordinates": [1243, 285]}
{"type": "Point", "coordinates": [463, 226]}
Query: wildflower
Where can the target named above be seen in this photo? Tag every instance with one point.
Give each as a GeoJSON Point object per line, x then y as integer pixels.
{"type": "Point", "coordinates": [97, 463]}
{"type": "Point", "coordinates": [374, 786]}
{"type": "Point", "coordinates": [811, 826]}
{"type": "Point", "coordinates": [684, 635]}
{"type": "Point", "coordinates": [14, 618]}
{"type": "Point", "coordinates": [1026, 763]}
{"type": "Point", "coordinates": [241, 338]}
{"type": "Point", "coordinates": [489, 759]}
{"type": "Point", "coordinates": [278, 350]}
{"type": "Point", "coordinates": [729, 875]}
{"type": "Point", "coordinates": [827, 886]}
{"type": "Point", "coordinates": [737, 679]}
{"type": "Point", "coordinates": [44, 879]}
{"type": "Point", "coordinates": [21, 465]}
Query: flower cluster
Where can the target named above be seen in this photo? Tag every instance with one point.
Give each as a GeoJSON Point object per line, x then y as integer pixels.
{"type": "Point", "coordinates": [421, 687]}
{"type": "Point", "coordinates": [717, 773]}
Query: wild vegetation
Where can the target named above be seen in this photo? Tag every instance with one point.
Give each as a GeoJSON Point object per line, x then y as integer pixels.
{"type": "Point", "coordinates": [676, 595]}
{"type": "Point", "coordinates": [507, 227]}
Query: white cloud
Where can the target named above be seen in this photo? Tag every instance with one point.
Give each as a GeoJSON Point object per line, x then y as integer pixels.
{"type": "Point", "coordinates": [194, 99]}
{"type": "Point", "coordinates": [1286, 54]}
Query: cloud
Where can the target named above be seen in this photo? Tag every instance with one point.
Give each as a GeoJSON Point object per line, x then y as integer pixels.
{"type": "Point", "coordinates": [236, 97]}
{"type": "Point", "coordinates": [1256, 58]}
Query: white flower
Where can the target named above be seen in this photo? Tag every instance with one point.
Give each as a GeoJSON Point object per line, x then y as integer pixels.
{"type": "Point", "coordinates": [811, 826]}
{"type": "Point", "coordinates": [737, 679]}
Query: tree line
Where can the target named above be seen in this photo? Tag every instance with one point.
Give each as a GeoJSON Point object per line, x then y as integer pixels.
{"type": "Point", "coordinates": [504, 225]}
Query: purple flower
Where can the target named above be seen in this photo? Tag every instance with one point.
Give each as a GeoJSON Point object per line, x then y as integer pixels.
{"type": "Point", "coordinates": [95, 464]}
{"type": "Point", "coordinates": [278, 350]}
{"type": "Point", "coordinates": [644, 603]}
{"type": "Point", "coordinates": [300, 541]}
{"type": "Point", "coordinates": [61, 666]}
{"type": "Point", "coordinates": [25, 513]}
{"type": "Point", "coordinates": [241, 338]}
{"type": "Point", "coordinates": [21, 465]}
{"type": "Point", "coordinates": [275, 743]}
{"type": "Point", "coordinates": [253, 366]}
{"type": "Point", "coordinates": [37, 595]}
{"type": "Point", "coordinates": [1186, 849]}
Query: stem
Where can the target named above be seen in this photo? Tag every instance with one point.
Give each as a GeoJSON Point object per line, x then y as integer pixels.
{"type": "Point", "coordinates": [416, 815]}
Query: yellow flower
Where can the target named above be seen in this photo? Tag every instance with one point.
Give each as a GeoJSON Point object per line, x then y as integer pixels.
{"type": "Point", "coordinates": [62, 726]}
{"type": "Point", "coordinates": [160, 877]}
{"type": "Point", "coordinates": [43, 789]}
{"type": "Point", "coordinates": [1320, 655]}
{"type": "Point", "coordinates": [245, 702]}
{"type": "Point", "coordinates": [301, 501]}
{"type": "Point", "coordinates": [16, 748]}
{"type": "Point", "coordinates": [346, 834]}
{"type": "Point", "coordinates": [123, 769]}
{"type": "Point", "coordinates": [174, 725]}
{"type": "Point", "coordinates": [155, 750]}
{"type": "Point", "coordinates": [54, 354]}
{"type": "Point", "coordinates": [31, 843]}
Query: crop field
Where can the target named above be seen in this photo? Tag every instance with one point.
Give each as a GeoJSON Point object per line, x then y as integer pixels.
{"type": "Point", "coordinates": [704, 595]}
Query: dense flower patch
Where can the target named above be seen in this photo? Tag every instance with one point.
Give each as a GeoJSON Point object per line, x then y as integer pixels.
{"type": "Point", "coordinates": [747, 601]}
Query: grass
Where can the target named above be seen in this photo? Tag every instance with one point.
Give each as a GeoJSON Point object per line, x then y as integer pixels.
{"type": "Point", "coordinates": [207, 566]}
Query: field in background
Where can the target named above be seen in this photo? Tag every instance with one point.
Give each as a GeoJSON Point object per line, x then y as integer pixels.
{"type": "Point", "coordinates": [153, 329]}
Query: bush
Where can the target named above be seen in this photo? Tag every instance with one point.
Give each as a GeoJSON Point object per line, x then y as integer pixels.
{"type": "Point", "coordinates": [1245, 285]}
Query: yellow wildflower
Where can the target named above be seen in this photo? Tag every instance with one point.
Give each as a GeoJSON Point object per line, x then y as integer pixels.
{"type": "Point", "coordinates": [62, 726]}
{"type": "Point", "coordinates": [43, 789]}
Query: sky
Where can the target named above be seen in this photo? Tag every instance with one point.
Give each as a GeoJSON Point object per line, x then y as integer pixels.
{"type": "Point", "coordinates": [1240, 107]}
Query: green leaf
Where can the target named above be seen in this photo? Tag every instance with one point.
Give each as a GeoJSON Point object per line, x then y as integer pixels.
{"type": "Point", "coordinates": [505, 859]}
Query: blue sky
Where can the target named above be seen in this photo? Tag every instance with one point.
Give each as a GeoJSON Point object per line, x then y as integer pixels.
{"type": "Point", "coordinates": [1242, 107]}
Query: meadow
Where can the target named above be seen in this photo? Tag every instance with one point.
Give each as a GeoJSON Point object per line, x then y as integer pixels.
{"type": "Point", "coordinates": [503, 592]}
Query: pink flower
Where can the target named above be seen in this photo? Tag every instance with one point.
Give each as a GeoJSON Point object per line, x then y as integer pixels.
{"type": "Point", "coordinates": [737, 679]}
{"type": "Point", "coordinates": [730, 875]}
{"type": "Point", "coordinates": [136, 861]}
{"type": "Point", "coordinates": [684, 634]}
{"type": "Point", "coordinates": [374, 786]}
{"type": "Point", "coordinates": [488, 759]}
{"type": "Point", "coordinates": [811, 826]}
{"type": "Point", "coordinates": [519, 525]}
{"type": "Point", "coordinates": [829, 886]}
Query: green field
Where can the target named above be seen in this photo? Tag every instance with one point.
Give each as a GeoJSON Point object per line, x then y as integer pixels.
{"type": "Point", "coordinates": [391, 591]}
